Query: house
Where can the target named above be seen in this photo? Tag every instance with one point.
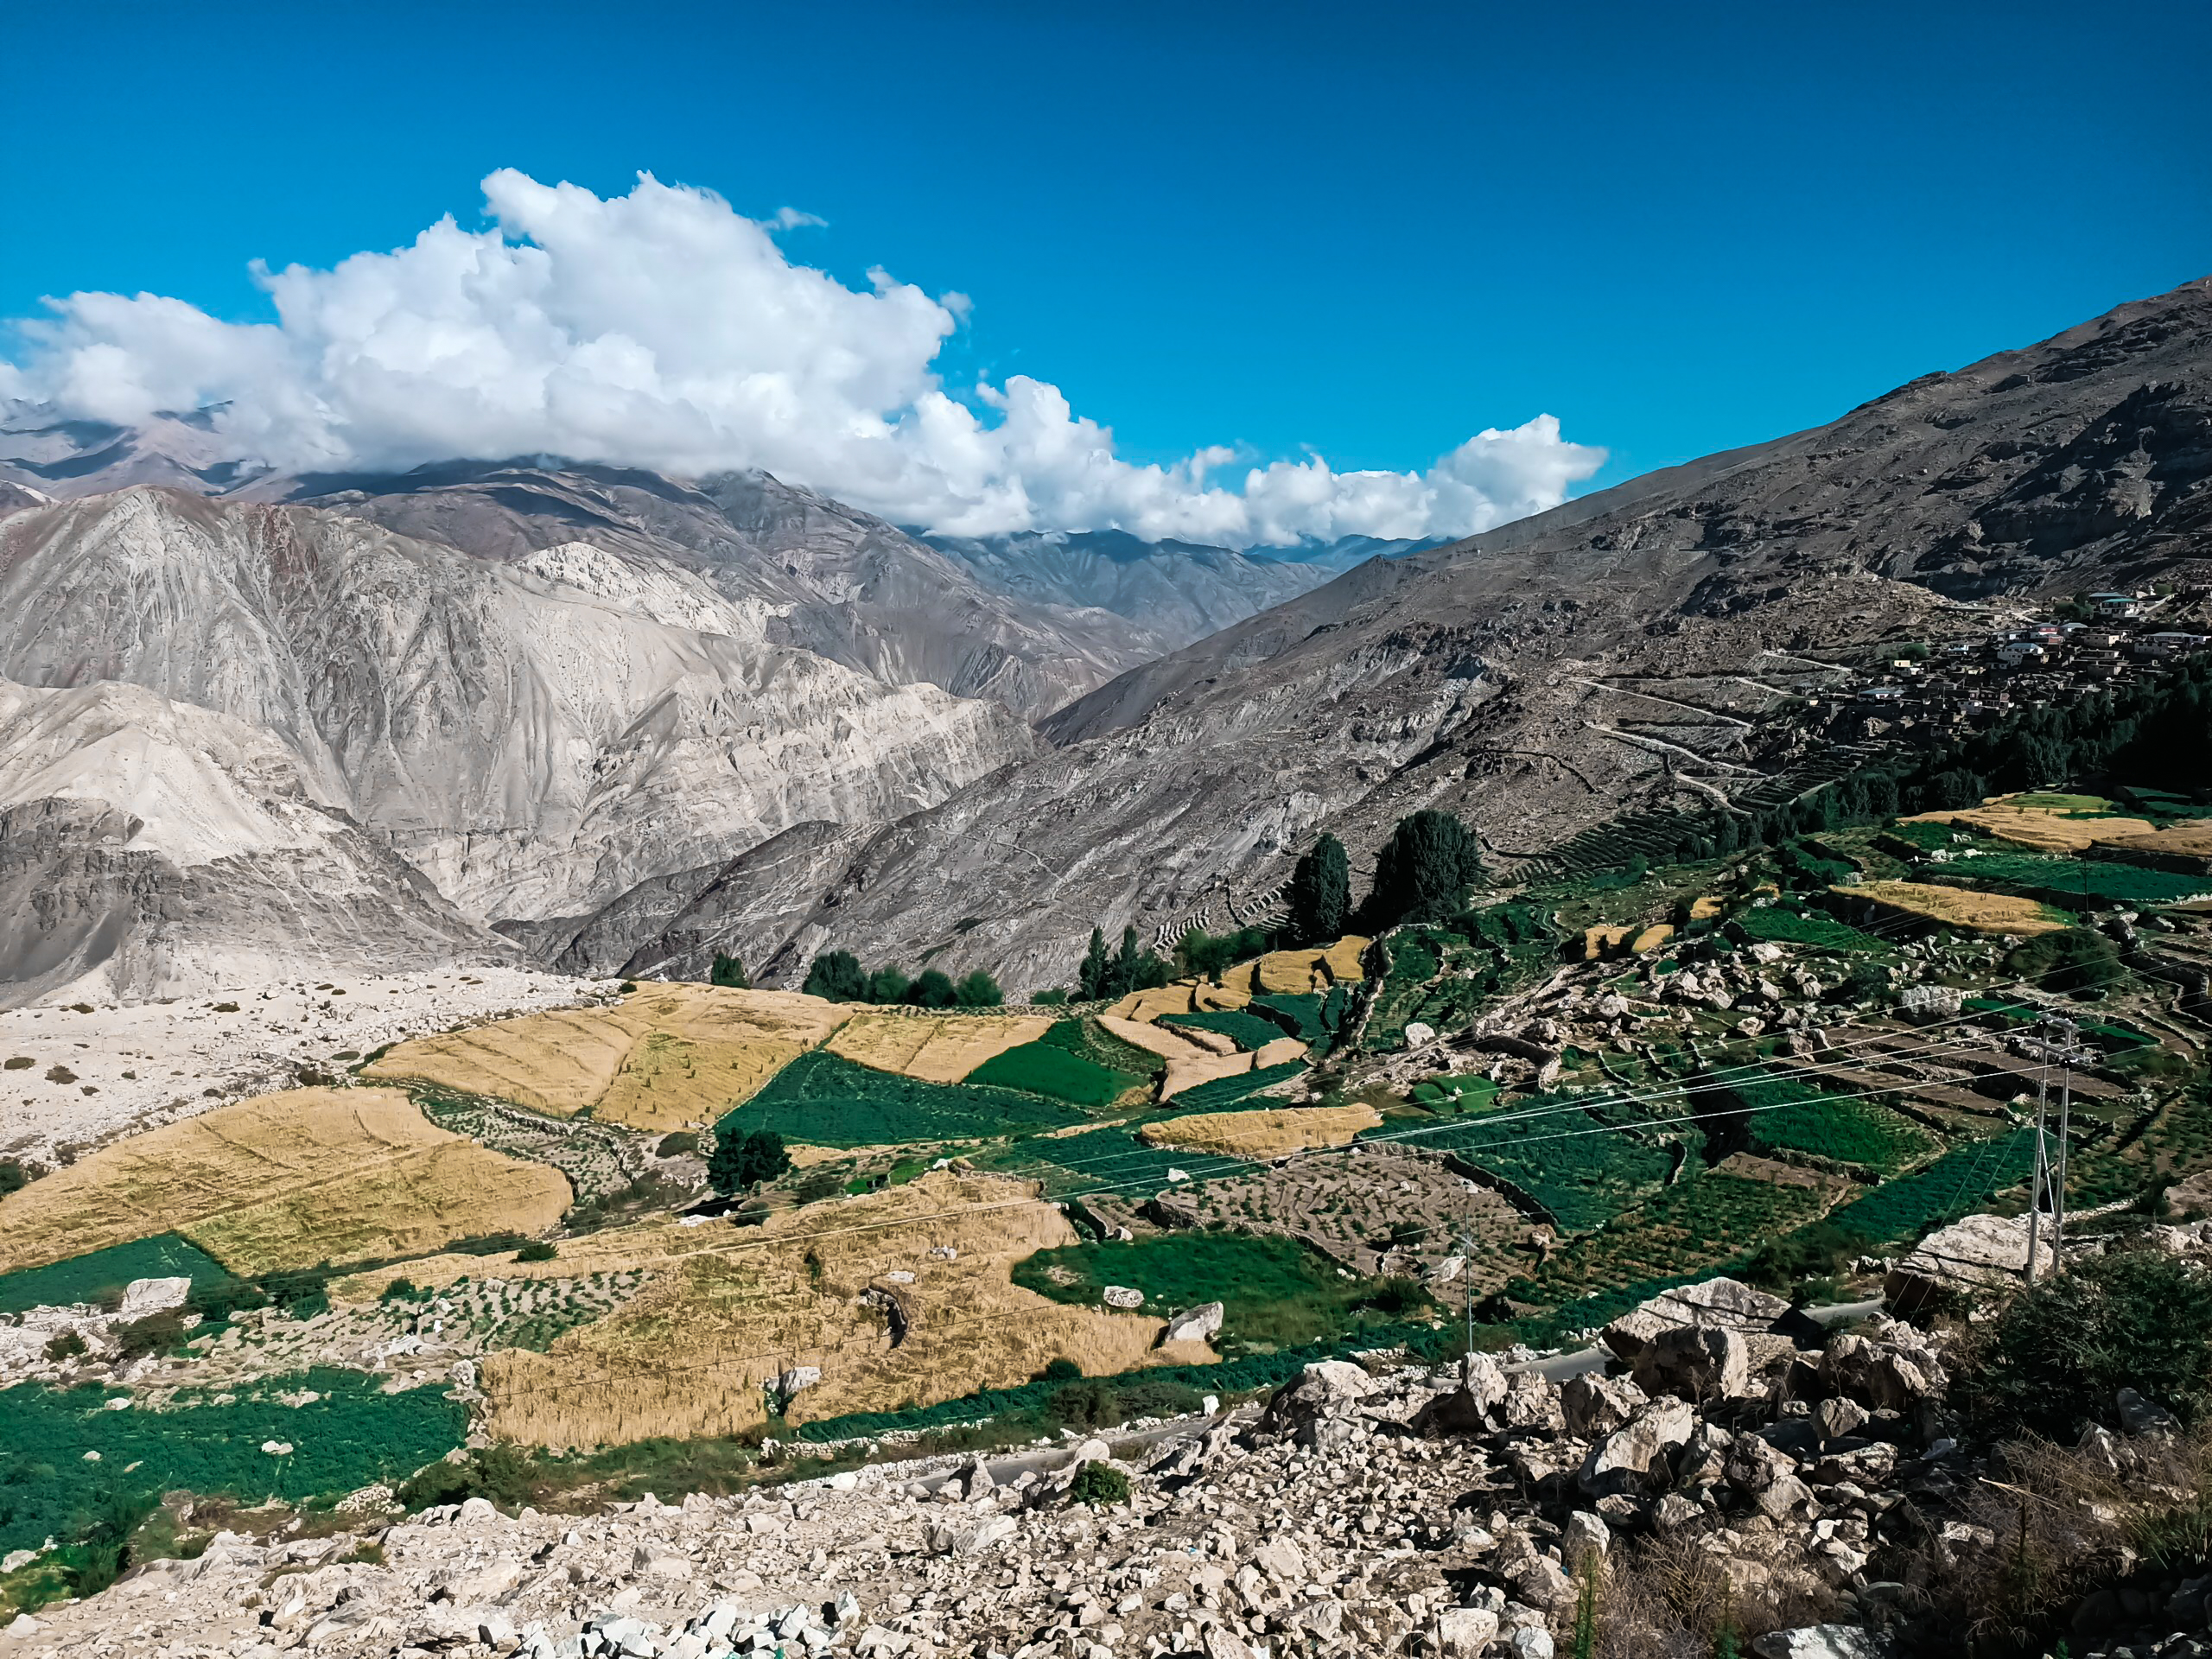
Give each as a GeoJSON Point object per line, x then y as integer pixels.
{"type": "Point", "coordinates": [2115, 604]}
{"type": "Point", "coordinates": [2014, 653]}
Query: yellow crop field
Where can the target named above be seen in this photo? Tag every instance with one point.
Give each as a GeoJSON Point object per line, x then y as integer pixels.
{"type": "Point", "coordinates": [1602, 941]}
{"type": "Point", "coordinates": [1706, 906]}
{"type": "Point", "coordinates": [2048, 823]}
{"type": "Point", "coordinates": [667, 1057]}
{"type": "Point", "coordinates": [1982, 913]}
{"type": "Point", "coordinates": [933, 1047]}
{"type": "Point", "coordinates": [2192, 839]}
{"type": "Point", "coordinates": [732, 1307]}
{"type": "Point", "coordinates": [285, 1180]}
{"type": "Point", "coordinates": [1266, 1134]}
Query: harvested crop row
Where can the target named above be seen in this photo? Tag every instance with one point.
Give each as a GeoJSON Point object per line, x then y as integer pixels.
{"type": "Point", "coordinates": [933, 1047]}
{"type": "Point", "coordinates": [667, 1057]}
{"type": "Point", "coordinates": [1266, 1134]}
{"type": "Point", "coordinates": [285, 1180]}
{"type": "Point", "coordinates": [690, 1355]}
{"type": "Point", "coordinates": [1980, 913]}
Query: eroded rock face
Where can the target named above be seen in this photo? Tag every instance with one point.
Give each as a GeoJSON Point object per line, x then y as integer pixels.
{"type": "Point", "coordinates": [535, 741]}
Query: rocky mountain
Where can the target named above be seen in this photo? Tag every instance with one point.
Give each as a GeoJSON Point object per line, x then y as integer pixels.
{"type": "Point", "coordinates": [1182, 591]}
{"type": "Point", "coordinates": [535, 736]}
{"type": "Point", "coordinates": [1551, 672]}
{"type": "Point", "coordinates": [149, 847]}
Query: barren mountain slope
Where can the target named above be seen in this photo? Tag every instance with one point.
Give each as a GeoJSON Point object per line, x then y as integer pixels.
{"type": "Point", "coordinates": [1513, 677]}
{"type": "Point", "coordinates": [168, 849]}
{"type": "Point", "coordinates": [535, 746]}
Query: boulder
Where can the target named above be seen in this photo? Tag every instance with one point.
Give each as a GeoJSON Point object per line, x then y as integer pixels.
{"type": "Point", "coordinates": [1278, 1558]}
{"type": "Point", "coordinates": [1586, 1540]}
{"type": "Point", "coordinates": [2140, 1416]}
{"type": "Point", "coordinates": [1889, 1366]}
{"type": "Point", "coordinates": [967, 1537]}
{"type": "Point", "coordinates": [798, 1377]}
{"type": "Point", "coordinates": [1717, 1304]}
{"type": "Point", "coordinates": [1593, 1404]}
{"type": "Point", "coordinates": [1631, 1459]}
{"type": "Point", "coordinates": [1532, 1404]}
{"type": "Point", "coordinates": [144, 1298]}
{"type": "Point", "coordinates": [1543, 1583]}
{"type": "Point", "coordinates": [1466, 1632]}
{"type": "Point", "coordinates": [1470, 1409]}
{"type": "Point", "coordinates": [1821, 1642]}
{"type": "Point", "coordinates": [1199, 1324]}
{"type": "Point", "coordinates": [1697, 1362]}
{"type": "Point", "coordinates": [1836, 1417]}
{"type": "Point", "coordinates": [1977, 1257]}
{"type": "Point", "coordinates": [1123, 1296]}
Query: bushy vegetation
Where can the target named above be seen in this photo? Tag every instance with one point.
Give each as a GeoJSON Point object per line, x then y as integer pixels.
{"type": "Point", "coordinates": [1062, 1072]}
{"type": "Point", "coordinates": [1274, 1291]}
{"type": "Point", "coordinates": [730, 972]}
{"type": "Point", "coordinates": [838, 976]}
{"type": "Point", "coordinates": [1099, 1486]}
{"type": "Point", "coordinates": [824, 1099]}
{"type": "Point", "coordinates": [1208, 955]}
{"type": "Point", "coordinates": [101, 1275]}
{"type": "Point", "coordinates": [2072, 959]}
{"type": "Point", "coordinates": [1103, 976]}
{"type": "Point", "coordinates": [2060, 1351]}
{"type": "Point", "coordinates": [352, 1435]}
{"type": "Point", "coordinates": [1455, 1094]}
{"type": "Point", "coordinates": [741, 1161]}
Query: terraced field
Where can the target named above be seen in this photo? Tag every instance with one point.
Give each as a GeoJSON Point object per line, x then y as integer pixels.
{"type": "Point", "coordinates": [1562, 1158]}
{"type": "Point", "coordinates": [824, 1099]}
{"type": "Point", "coordinates": [933, 1047]}
{"type": "Point", "coordinates": [284, 1180]}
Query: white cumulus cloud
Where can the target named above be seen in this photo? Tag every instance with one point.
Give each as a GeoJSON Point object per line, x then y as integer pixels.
{"type": "Point", "coordinates": [665, 329]}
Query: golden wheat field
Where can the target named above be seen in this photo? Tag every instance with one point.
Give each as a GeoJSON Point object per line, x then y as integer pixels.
{"type": "Point", "coordinates": [2192, 839]}
{"type": "Point", "coordinates": [1982, 913]}
{"type": "Point", "coordinates": [689, 1355]}
{"type": "Point", "coordinates": [667, 1057]}
{"type": "Point", "coordinates": [933, 1047]}
{"type": "Point", "coordinates": [285, 1180]}
{"type": "Point", "coordinates": [2048, 828]}
{"type": "Point", "coordinates": [1265, 1134]}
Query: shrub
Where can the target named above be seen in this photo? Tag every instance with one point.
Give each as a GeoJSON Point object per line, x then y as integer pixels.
{"type": "Point", "coordinates": [1101, 1486]}
{"type": "Point", "coordinates": [933, 989]}
{"type": "Point", "coordinates": [730, 971]}
{"type": "Point", "coordinates": [2058, 1354]}
{"type": "Point", "coordinates": [155, 1334]}
{"type": "Point", "coordinates": [1207, 955]}
{"type": "Point", "coordinates": [67, 1345]}
{"type": "Point", "coordinates": [1060, 1371]}
{"type": "Point", "coordinates": [837, 975]}
{"type": "Point", "coordinates": [1051, 997]}
{"type": "Point", "coordinates": [14, 1178]}
{"type": "Point", "coordinates": [742, 1161]}
{"type": "Point", "coordinates": [499, 1473]}
{"type": "Point", "coordinates": [539, 1249]}
{"type": "Point", "coordinates": [2073, 959]}
{"type": "Point", "coordinates": [977, 990]}
{"type": "Point", "coordinates": [679, 1144]}
{"type": "Point", "coordinates": [891, 985]}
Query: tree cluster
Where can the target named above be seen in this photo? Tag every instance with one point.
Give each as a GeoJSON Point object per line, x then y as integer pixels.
{"type": "Point", "coordinates": [838, 976]}
{"type": "Point", "coordinates": [741, 1162]}
{"type": "Point", "coordinates": [730, 971]}
{"type": "Point", "coordinates": [1132, 968]}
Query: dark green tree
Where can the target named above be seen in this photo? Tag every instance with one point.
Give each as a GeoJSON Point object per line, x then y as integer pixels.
{"type": "Point", "coordinates": [888, 984]}
{"type": "Point", "coordinates": [1096, 966]}
{"type": "Point", "coordinates": [728, 970]}
{"type": "Point", "coordinates": [1422, 869]}
{"type": "Point", "coordinates": [741, 1162]}
{"type": "Point", "coordinates": [1320, 894]}
{"type": "Point", "coordinates": [2071, 959]}
{"type": "Point", "coordinates": [837, 975]}
{"type": "Point", "coordinates": [1134, 967]}
{"type": "Point", "coordinates": [933, 990]}
{"type": "Point", "coordinates": [977, 990]}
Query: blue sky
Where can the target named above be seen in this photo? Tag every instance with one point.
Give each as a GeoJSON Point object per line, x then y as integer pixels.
{"type": "Point", "coordinates": [1371, 230]}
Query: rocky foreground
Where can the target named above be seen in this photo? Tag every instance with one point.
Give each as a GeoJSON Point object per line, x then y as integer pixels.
{"type": "Point", "coordinates": [1362, 1511]}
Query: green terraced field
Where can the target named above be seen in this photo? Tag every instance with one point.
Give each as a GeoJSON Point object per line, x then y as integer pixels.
{"type": "Point", "coordinates": [1274, 1291]}
{"type": "Point", "coordinates": [1046, 1068]}
{"type": "Point", "coordinates": [1247, 1031]}
{"type": "Point", "coordinates": [2074, 882]}
{"type": "Point", "coordinates": [1781, 1115]}
{"type": "Point", "coordinates": [88, 1278]}
{"type": "Point", "coordinates": [1087, 1038]}
{"type": "Point", "coordinates": [352, 1435]}
{"type": "Point", "coordinates": [1790, 927]}
{"type": "Point", "coordinates": [1956, 1183]}
{"type": "Point", "coordinates": [1103, 1160]}
{"type": "Point", "coordinates": [1225, 1094]}
{"type": "Point", "coordinates": [822, 1099]}
{"type": "Point", "coordinates": [1695, 1225]}
{"type": "Point", "coordinates": [1583, 1178]}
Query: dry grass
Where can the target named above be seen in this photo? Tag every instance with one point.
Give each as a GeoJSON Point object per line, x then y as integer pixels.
{"type": "Point", "coordinates": [1600, 942]}
{"type": "Point", "coordinates": [1263, 1133]}
{"type": "Point", "coordinates": [933, 1047]}
{"type": "Point", "coordinates": [1650, 938]}
{"type": "Point", "coordinates": [728, 1308]}
{"type": "Point", "coordinates": [285, 1180]}
{"type": "Point", "coordinates": [667, 1057]}
{"type": "Point", "coordinates": [1191, 1058]}
{"type": "Point", "coordinates": [1980, 913]}
{"type": "Point", "coordinates": [1341, 960]}
{"type": "Point", "coordinates": [2191, 839]}
{"type": "Point", "coordinates": [1706, 906]}
{"type": "Point", "coordinates": [2047, 829]}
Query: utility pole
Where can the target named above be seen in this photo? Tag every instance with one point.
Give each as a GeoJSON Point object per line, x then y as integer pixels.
{"type": "Point", "coordinates": [2041, 1167]}
{"type": "Point", "coordinates": [2065, 1100]}
{"type": "Point", "coordinates": [1467, 1288]}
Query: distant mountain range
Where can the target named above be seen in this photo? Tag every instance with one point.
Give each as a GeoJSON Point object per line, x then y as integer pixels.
{"type": "Point", "coordinates": [620, 721]}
